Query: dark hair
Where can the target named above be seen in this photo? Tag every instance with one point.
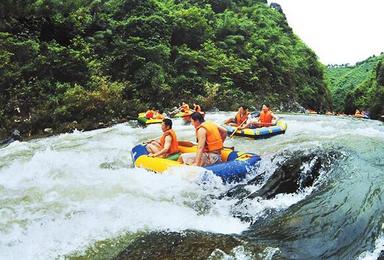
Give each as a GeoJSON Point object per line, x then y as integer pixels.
{"type": "Point", "coordinates": [160, 111]}
{"type": "Point", "coordinates": [267, 105]}
{"type": "Point", "coordinates": [244, 107]}
{"type": "Point", "coordinates": [197, 116]}
{"type": "Point", "coordinates": [167, 122]}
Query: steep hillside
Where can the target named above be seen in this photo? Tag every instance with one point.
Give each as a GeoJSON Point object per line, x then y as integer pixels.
{"type": "Point", "coordinates": [76, 63]}
{"type": "Point", "coordinates": [343, 79]}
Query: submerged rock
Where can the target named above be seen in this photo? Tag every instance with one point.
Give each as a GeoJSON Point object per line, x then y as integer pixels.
{"type": "Point", "coordinates": [188, 245]}
{"type": "Point", "coordinates": [295, 170]}
{"type": "Point", "coordinates": [381, 256]}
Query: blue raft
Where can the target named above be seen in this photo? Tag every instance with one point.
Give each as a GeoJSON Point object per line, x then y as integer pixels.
{"type": "Point", "coordinates": [261, 132]}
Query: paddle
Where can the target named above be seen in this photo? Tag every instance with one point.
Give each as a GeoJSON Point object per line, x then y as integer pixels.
{"type": "Point", "coordinates": [236, 128]}
{"type": "Point", "coordinates": [190, 144]}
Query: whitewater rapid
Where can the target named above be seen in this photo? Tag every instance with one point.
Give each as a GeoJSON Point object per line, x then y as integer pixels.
{"type": "Point", "coordinates": [61, 195]}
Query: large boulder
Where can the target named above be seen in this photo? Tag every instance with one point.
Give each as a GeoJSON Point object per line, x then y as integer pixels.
{"type": "Point", "coordinates": [188, 245]}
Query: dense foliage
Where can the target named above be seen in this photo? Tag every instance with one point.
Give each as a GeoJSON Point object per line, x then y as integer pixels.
{"type": "Point", "coordinates": [85, 61]}
{"type": "Point", "coordinates": [358, 87]}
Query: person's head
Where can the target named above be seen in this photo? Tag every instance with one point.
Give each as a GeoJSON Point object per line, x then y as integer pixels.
{"type": "Point", "coordinates": [166, 124]}
{"type": "Point", "coordinates": [183, 103]}
{"type": "Point", "coordinates": [265, 108]}
{"type": "Point", "coordinates": [159, 111]}
{"type": "Point", "coordinates": [197, 119]}
{"type": "Point", "coordinates": [243, 109]}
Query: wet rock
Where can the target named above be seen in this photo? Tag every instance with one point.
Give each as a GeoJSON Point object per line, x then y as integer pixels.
{"type": "Point", "coordinates": [295, 170]}
{"type": "Point", "coordinates": [48, 130]}
{"type": "Point", "coordinates": [381, 256]}
{"type": "Point", "coordinates": [185, 245]}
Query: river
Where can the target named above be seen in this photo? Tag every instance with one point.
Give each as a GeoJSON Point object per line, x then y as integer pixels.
{"type": "Point", "coordinates": [77, 195]}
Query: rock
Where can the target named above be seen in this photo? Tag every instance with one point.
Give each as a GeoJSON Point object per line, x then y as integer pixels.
{"type": "Point", "coordinates": [277, 7]}
{"type": "Point", "coordinates": [292, 107]}
{"type": "Point", "coordinates": [295, 170]}
{"type": "Point", "coordinates": [381, 256]}
{"type": "Point", "coordinates": [48, 130]}
{"type": "Point", "coordinates": [185, 245]}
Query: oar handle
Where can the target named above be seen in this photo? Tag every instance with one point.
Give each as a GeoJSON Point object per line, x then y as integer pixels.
{"type": "Point", "coordinates": [233, 133]}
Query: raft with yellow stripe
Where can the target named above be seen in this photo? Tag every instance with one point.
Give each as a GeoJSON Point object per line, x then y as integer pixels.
{"type": "Point", "coordinates": [145, 121]}
{"type": "Point", "coordinates": [261, 132]}
{"type": "Point", "coordinates": [234, 166]}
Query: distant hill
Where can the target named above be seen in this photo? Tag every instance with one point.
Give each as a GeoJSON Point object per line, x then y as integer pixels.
{"type": "Point", "coordinates": [358, 86]}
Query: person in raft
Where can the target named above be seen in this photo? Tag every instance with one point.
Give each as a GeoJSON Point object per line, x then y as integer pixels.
{"type": "Point", "coordinates": [196, 107]}
{"type": "Point", "coordinates": [240, 118]}
{"type": "Point", "coordinates": [184, 107]}
{"type": "Point", "coordinates": [210, 138]}
{"type": "Point", "coordinates": [266, 118]}
{"type": "Point", "coordinates": [167, 144]}
{"type": "Point", "coordinates": [149, 114]}
{"type": "Point", "coordinates": [158, 114]}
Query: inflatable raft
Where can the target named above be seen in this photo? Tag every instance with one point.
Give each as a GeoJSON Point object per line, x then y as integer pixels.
{"type": "Point", "coordinates": [234, 167]}
{"type": "Point", "coordinates": [145, 121]}
{"type": "Point", "coordinates": [183, 114]}
{"type": "Point", "coordinates": [261, 132]}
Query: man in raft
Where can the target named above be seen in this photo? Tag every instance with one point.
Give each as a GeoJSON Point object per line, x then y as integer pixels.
{"type": "Point", "coordinates": [196, 107]}
{"type": "Point", "coordinates": [266, 118]}
{"type": "Point", "coordinates": [210, 138]}
{"type": "Point", "coordinates": [240, 118]}
{"type": "Point", "coordinates": [167, 144]}
{"type": "Point", "coordinates": [184, 107]}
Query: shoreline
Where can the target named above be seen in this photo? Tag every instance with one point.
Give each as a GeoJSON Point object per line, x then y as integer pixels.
{"type": "Point", "coordinates": [85, 126]}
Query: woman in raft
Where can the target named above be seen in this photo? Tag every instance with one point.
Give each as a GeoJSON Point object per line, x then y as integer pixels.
{"type": "Point", "coordinates": [266, 118]}
{"type": "Point", "coordinates": [167, 144]}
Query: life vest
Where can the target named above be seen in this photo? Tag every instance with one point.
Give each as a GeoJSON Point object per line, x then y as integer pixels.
{"type": "Point", "coordinates": [265, 118]}
{"type": "Point", "coordinates": [149, 114]}
{"type": "Point", "coordinates": [213, 141]}
{"type": "Point", "coordinates": [197, 108]}
{"type": "Point", "coordinates": [240, 119]}
{"type": "Point", "coordinates": [174, 148]}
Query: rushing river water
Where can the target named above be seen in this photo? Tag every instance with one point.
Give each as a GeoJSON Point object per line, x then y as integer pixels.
{"type": "Point", "coordinates": [78, 195]}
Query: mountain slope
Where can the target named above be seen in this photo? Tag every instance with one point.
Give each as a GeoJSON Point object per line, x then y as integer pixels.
{"type": "Point", "coordinates": [73, 62]}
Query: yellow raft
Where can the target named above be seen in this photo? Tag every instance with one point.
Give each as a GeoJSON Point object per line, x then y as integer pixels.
{"type": "Point", "coordinates": [235, 165]}
{"type": "Point", "coordinates": [145, 121]}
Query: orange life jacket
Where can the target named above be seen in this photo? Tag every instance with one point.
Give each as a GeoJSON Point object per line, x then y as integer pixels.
{"type": "Point", "coordinates": [240, 119]}
{"type": "Point", "coordinates": [213, 140]}
{"type": "Point", "coordinates": [265, 118]}
{"type": "Point", "coordinates": [174, 148]}
{"type": "Point", "coordinates": [197, 108]}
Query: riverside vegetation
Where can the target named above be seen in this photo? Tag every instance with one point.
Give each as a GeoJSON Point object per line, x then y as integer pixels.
{"type": "Point", "coordinates": [358, 87]}
{"type": "Point", "coordinates": [73, 64]}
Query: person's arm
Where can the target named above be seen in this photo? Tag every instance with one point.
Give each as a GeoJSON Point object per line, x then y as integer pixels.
{"type": "Point", "coordinates": [223, 133]}
{"type": "Point", "coordinates": [167, 145]}
{"type": "Point", "coordinates": [201, 137]}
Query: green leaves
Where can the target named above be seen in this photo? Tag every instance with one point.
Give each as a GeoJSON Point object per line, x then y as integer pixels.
{"type": "Point", "coordinates": [90, 60]}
